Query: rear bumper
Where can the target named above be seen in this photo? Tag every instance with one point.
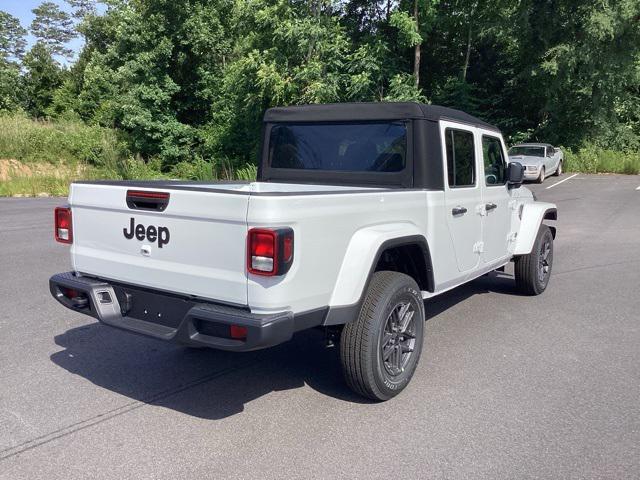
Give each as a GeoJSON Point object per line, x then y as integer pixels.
{"type": "Point", "coordinates": [170, 317]}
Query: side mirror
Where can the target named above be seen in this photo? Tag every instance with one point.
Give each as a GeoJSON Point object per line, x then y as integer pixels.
{"type": "Point", "coordinates": [515, 174]}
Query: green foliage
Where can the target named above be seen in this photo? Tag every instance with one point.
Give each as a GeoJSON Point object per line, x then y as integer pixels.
{"type": "Point", "coordinates": [12, 38]}
{"type": "Point", "coordinates": [38, 185]}
{"type": "Point", "coordinates": [402, 88]}
{"type": "Point", "coordinates": [247, 172]}
{"type": "Point", "coordinates": [53, 28]}
{"type": "Point", "coordinates": [407, 28]}
{"type": "Point", "coordinates": [82, 8]}
{"type": "Point", "coordinates": [185, 84]}
{"type": "Point", "coordinates": [63, 141]}
{"type": "Point", "coordinates": [10, 88]}
{"type": "Point", "coordinates": [41, 79]}
{"type": "Point", "coordinates": [593, 159]}
{"type": "Point", "coordinates": [578, 63]}
{"type": "Point", "coordinates": [136, 168]}
{"type": "Point", "coordinates": [12, 45]}
{"type": "Point", "coordinates": [460, 94]}
{"type": "Point", "coordinates": [198, 169]}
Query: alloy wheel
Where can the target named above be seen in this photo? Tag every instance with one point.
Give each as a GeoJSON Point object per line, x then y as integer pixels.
{"type": "Point", "coordinates": [398, 340]}
{"type": "Point", "coordinates": [544, 265]}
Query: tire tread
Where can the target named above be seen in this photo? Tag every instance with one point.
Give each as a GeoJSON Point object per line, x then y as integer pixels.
{"type": "Point", "coordinates": [357, 337]}
{"type": "Point", "coordinates": [525, 267]}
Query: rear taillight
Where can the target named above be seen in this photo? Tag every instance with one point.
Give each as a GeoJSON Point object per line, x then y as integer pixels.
{"type": "Point", "coordinates": [269, 251]}
{"type": "Point", "coordinates": [63, 225]}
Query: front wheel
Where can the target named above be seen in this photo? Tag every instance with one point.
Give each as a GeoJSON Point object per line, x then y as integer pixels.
{"type": "Point", "coordinates": [533, 271]}
{"type": "Point", "coordinates": [541, 177]}
{"type": "Point", "coordinates": [380, 349]}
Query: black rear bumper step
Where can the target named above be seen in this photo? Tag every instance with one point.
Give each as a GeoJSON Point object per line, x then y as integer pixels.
{"type": "Point", "coordinates": [117, 306]}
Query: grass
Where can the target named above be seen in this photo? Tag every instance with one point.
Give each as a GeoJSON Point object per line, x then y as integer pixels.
{"type": "Point", "coordinates": [40, 157]}
{"type": "Point", "coordinates": [66, 141]}
{"type": "Point", "coordinates": [45, 185]}
{"type": "Point", "coordinates": [41, 184]}
{"type": "Point", "coordinates": [593, 159]}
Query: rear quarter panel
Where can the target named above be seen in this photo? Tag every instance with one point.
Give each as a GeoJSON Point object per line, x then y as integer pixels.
{"type": "Point", "coordinates": [323, 227]}
{"type": "Point", "coordinates": [336, 238]}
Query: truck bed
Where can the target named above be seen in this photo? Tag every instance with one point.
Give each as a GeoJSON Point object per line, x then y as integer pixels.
{"type": "Point", "coordinates": [195, 245]}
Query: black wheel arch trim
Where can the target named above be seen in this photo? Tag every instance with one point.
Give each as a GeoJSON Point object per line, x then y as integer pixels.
{"type": "Point", "coordinates": [346, 313]}
{"type": "Point", "coordinates": [551, 214]}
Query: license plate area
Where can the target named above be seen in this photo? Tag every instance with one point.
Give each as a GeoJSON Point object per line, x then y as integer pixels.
{"type": "Point", "coordinates": [163, 309]}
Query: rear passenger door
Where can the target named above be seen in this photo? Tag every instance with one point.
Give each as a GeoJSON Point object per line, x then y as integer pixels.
{"type": "Point", "coordinates": [496, 212]}
{"type": "Point", "coordinates": [462, 193]}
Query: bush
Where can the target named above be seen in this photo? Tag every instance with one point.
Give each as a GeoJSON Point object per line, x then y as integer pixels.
{"type": "Point", "coordinates": [199, 169]}
{"type": "Point", "coordinates": [594, 159]}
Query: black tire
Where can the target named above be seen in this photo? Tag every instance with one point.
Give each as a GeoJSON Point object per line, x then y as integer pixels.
{"type": "Point", "coordinates": [559, 169]}
{"type": "Point", "coordinates": [541, 177]}
{"type": "Point", "coordinates": [390, 300]}
{"type": "Point", "coordinates": [533, 271]}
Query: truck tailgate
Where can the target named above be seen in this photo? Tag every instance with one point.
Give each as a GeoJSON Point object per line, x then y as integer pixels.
{"type": "Point", "coordinates": [195, 245]}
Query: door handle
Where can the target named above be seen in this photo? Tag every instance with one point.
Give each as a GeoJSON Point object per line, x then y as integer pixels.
{"type": "Point", "coordinates": [490, 206]}
{"type": "Point", "coordinates": [458, 211]}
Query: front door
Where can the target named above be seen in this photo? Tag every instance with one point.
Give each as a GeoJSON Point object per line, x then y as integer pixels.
{"type": "Point", "coordinates": [462, 194]}
{"type": "Point", "coordinates": [496, 212]}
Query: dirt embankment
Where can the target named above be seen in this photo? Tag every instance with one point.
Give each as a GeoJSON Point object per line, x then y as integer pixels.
{"type": "Point", "coordinates": [10, 168]}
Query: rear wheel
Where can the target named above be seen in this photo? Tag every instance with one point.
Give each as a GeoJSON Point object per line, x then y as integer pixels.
{"type": "Point", "coordinates": [559, 169]}
{"type": "Point", "coordinates": [380, 350]}
{"type": "Point", "coordinates": [533, 271]}
{"type": "Point", "coordinates": [541, 177]}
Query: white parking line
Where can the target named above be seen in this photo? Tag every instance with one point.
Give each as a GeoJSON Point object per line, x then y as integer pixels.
{"type": "Point", "coordinates": [564, 180]}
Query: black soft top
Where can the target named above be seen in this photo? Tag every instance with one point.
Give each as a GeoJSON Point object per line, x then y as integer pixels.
{"type": "Point", "coordinates": [370, 111]}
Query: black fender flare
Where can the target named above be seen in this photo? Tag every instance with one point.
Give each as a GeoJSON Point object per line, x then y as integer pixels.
{"type": "Point", "coordinates": [346, 313]}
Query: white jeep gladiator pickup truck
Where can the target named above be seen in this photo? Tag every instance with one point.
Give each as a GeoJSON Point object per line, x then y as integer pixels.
{"type": "Point", "coordinates": [360, 213]}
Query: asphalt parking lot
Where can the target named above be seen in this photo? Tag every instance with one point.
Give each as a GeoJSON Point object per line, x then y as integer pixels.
{"type": "Point", "coordinates": [509, 387]}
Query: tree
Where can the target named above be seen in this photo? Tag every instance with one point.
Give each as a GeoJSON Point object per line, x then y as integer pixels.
{"type": "Point", "coordinates": [42, 77]}
{"type": "Point", "coordinates": [578, 74]}
{"type": "Point", "coordinates": [192, 79]}
{"type": "Point", "coordinates": [53, 28]}
{"type": "Point", "coordinates": [10, 87]}
{"type": "Point", "coordinates": [12, 44]}
{"type": "Point", "coordinates": [82, 8]}
{"type": "Point", "coordinates": [12, 38]}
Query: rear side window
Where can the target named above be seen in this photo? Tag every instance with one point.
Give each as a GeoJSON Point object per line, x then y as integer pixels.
{"type": "Point", "coordinates": [494, 164]}
{"type": "Point", "coordinates": [351, 147]}
{"type": "Point", "coordinates": [461, 158]}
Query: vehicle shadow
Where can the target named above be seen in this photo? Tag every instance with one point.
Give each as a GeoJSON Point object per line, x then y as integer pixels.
{"type": "Point", "coordinates": [496, 282]}
{"type": "Point", "coordinates": [204, 383]}
{"type": "Point", "coordinates": [214, 384]}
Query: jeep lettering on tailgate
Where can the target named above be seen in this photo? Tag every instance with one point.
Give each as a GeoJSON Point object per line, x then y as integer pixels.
{"type": "Point", "coordinates": [151, 233]}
